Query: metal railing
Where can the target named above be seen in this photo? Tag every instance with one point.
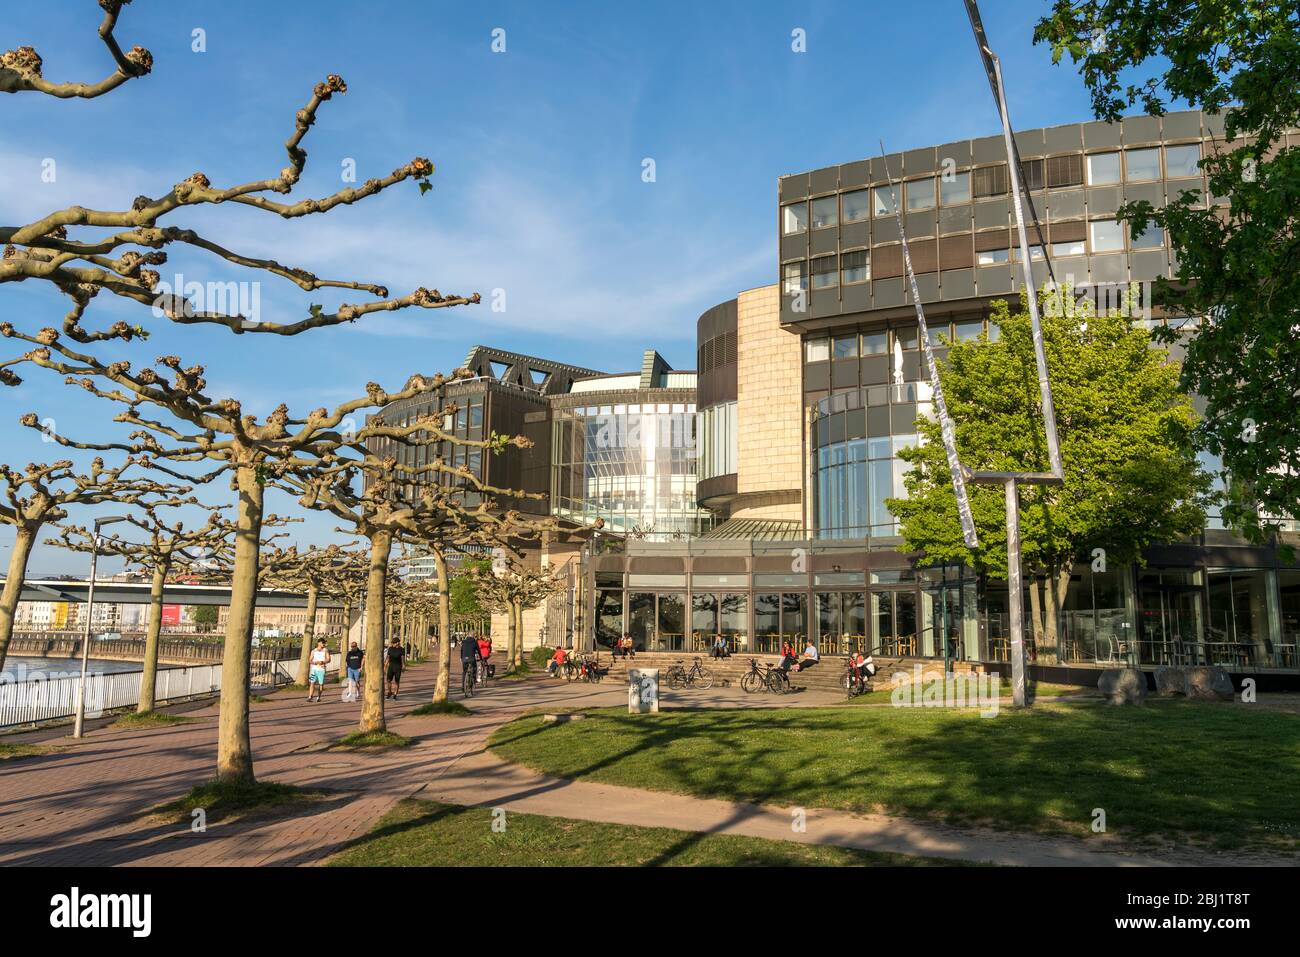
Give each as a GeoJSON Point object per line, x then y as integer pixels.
{"type": "Point", "coordinates": [32, 699]}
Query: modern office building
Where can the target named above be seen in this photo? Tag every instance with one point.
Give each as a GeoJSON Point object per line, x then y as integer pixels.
{"type": "Point", "coordinates": [809, 388]}
{"type": "Point", "coordinates": [747, 498]}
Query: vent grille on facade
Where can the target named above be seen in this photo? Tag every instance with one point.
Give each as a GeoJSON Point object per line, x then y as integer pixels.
{"type": "Point", "coordinates": [990, 181]}
{"type": "Point", "coordinates": [718, 351]}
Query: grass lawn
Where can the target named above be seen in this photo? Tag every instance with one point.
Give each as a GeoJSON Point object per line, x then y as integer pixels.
{"type": "Point", "coordinates": [371, 741]}
{"type": "Point", "coordinates": [12, 752]}
{"type": "Point", "coordinates": [150, 719]}
{"type": "Point", "coordinates": [225, 800]}
{"type": "Point", "coordinates": [429, 834]}
{"type": "Point", "coordinates": [1217, 774]}
{"type": "Point", "coordinates": [440, 707]}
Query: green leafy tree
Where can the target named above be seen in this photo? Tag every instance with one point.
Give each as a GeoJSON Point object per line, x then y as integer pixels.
{"type": "Point", "coordinates": [464, 596]}
{"type": "Point", "coordinates": [204, 616]}
{"type": "Point", "coordinates": [1237, 255]}
{"type": "Point", "coordinates": [1131, 476]}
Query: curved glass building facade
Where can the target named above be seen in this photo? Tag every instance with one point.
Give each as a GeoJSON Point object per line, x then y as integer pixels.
{"type": "Point", "coordinates": [629, 455]}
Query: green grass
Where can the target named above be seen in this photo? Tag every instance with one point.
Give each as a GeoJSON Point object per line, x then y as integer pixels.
{"type": "Point", "coordinates": [373, 740]}
{"type": "Point", "coordinates": [223, 800]}
{"type": "Point", "coordinates": [518, 674]}
{"type": "Point", "coordinates": [150, 719]}
{"type": "Point", "coordinates": [428, 834]}
{"type": "Point", "coordinates": [13, 752]}
{"type": "Point", "coordinates": [440, 707]}
{"type": "Point", "coordinates": [1183, 771]}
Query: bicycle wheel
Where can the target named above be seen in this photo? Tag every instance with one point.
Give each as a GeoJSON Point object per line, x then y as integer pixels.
{"type": "Point", "coordinates": [467, 684]}
{"type": "Point", "coordinates": [676, 678]}
{"type": "Point", "coordinates": [751, 682]}
{"type": "Point", "coordinates": [704, 678]}
{"type": "Point", "coordinates": [777, 682]}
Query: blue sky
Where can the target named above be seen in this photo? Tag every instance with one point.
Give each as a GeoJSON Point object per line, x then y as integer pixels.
{"type": "Point", "coordinates": [538, 152]}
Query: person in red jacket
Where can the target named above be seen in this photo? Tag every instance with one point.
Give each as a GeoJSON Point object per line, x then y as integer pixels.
{"type": "Point", "coordinates": [485, 652]}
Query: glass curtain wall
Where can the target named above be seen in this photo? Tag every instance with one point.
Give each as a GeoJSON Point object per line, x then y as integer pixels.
{"type": "Point", "coordinates": [633, 465]}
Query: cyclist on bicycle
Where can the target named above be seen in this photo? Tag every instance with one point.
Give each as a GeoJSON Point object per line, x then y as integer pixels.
{"type": "Point", "coordinates": [469, 655]}
{"type": "Point", "coordinates": [484, 653]}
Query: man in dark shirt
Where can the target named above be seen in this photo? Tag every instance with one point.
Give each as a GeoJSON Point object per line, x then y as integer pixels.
{"type": "Point", "coordinates": [469, 655]}
{"type": "Point", "coordinates": [352, 660]}
{"type": "Point", "coordinates": [394, 659]}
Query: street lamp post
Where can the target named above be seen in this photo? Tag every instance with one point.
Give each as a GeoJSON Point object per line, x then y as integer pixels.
{"type": "Point", "coordinates": [90, 614]}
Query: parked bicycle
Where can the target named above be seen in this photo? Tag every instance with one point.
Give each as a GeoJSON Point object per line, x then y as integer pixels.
{"type": "Point", "coordinates": [590, 669]}
{"type": "Point", "coordinates": [697, 674]}
{"type": "Point", "coordinates": [758, 677]}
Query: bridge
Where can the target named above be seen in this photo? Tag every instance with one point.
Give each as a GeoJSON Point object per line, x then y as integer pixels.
{"type": "Point", "coordinates": [175, 593]}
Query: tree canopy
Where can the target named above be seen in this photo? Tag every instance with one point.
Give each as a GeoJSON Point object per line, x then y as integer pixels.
{"type": "Point", "coordinates": [1236, 254]}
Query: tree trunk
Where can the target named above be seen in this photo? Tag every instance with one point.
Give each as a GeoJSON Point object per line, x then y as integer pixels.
{"type": "Point", "coordinates": [443, 687]}
{"type": "Point", "coordinates": [372, 708]}
{"type": "Point", "coordinates": [517, 655]}
{"type": "Point", "coordinates": [13, 590]}
{"type": "Point", "coordinates": [1060, 586]}
{"type": "Point", "coordinates": [149, 677]}
{"type": "Point", "coordinates": [309, 633]}
{"type": "Point", "coordinates": [234, 747]}
{"type": "Point", "coordinates": [1035, 608]}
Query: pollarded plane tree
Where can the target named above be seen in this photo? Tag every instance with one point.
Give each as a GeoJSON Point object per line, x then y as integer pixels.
{"type": "Point", "coordinates": [313, 571]}
{"type": "Point", "coordinates": [167, 550]}
{"type": "Point", "coordinates": [20, 69]}
{"type": "Point", "coordinates": [396, 502]}
{"type": "Point", "coordinates": [42, 494]}
{"type": "Point", "coordinates": [509, 585]}
{"type": "Point", "coordinates": [505, 534]}
{"type": "Point", "coordinates": [220, 434]}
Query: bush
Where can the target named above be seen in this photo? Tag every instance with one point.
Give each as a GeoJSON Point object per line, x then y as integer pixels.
{"type": "Point", "coordinates": [540, 656]}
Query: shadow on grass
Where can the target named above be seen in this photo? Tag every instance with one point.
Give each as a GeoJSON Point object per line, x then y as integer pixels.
{"type": "Point", "coordinates": [1175, 772]}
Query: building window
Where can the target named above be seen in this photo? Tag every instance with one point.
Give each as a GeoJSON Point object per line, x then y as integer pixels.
{"type": "Point", "coordinates": [954, 189]}
{"type": "Point", "coordinates": [1152, 238]}
{"type": "Point", "coordinates": [1064, 171]}
{"type": "Point", "coordinates": [824, 272]}
{"type": "Point", "coordinates": [1103, 169]}
{"type": "Point", "coordinates": [967, 330]}
{"type": "Point", "coordinates": [855, 266]}
{"type": "Point", "coordinates": [825, 211]}
{"type": "Point", "coordinates": [1142, 165]}
{"type": "Point", "coordinates": [920, 194]}
{"type": "Point", "coordinates": [856, 206]}
{"type": "Point", "coordinates": [794, 218]}
{"type": "Point", "coordinates": [816, 350]}
{"type": "Point", "coordinates": [1107, 236]}
{"type": "Point", "coordinates": [908, 338]}
{"type": "Point", "coordinates": [795, 277]}
{"type": "Point", "coordinates": [990, 181]}
{"type": "Point", "coordinates": [717, 427]}
{"type": "Point", "coordinates": [991, 257]}
{"type": "Point", "coordinates": [885, 200]}
{"type": "Point", "coordinates": [1035, 253]}
{"type": "Point", "coordinates": [845, 347]}
{"type": "Point", "coordinates": [1182, 161]}
{"type": "Point", "coordinates": [1033, 174]}
{"type": "Point", "coordinates": [1068, 249]}
{"type": "Point", "coordinates": [875, 343]}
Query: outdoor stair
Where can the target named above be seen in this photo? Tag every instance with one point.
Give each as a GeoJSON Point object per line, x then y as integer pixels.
{"type": "Point", "coordinates": [824, 677]}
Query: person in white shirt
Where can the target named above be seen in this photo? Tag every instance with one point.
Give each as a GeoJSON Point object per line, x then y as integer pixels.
{"type": "Point", "coordinates": [810, 658]}
{"type": "Point", "coordinates": [320, 657]}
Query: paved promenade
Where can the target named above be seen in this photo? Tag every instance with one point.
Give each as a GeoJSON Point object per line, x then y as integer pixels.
{"type": "Point", "coordinates": [82, 806]}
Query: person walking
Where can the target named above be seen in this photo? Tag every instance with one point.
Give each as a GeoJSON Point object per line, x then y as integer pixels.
{"type": "Point", "coordinates": [320, 659]}
{"type": "Point", "coordinates": [353, 661]}
{"type": "Point", "coordinates": [394, 660]}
